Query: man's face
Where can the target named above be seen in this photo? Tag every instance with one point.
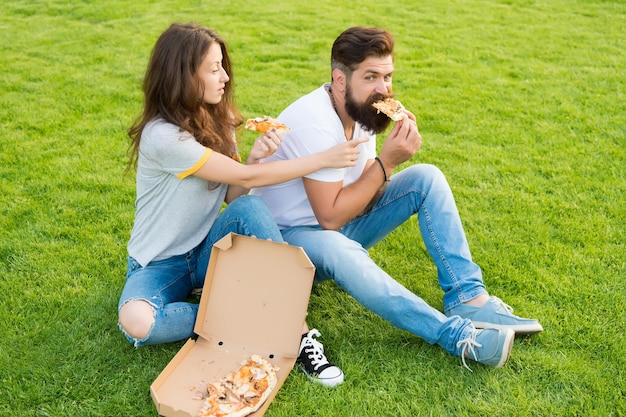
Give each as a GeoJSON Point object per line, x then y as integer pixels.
{"type": "Point", "coordinates": [370, 82]}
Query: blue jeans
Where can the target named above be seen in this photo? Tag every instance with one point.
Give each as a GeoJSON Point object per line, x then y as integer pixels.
{"type": "Point", "coordinates": [166, 284]}
{"type": "Point", "coordinates": [342, 255]}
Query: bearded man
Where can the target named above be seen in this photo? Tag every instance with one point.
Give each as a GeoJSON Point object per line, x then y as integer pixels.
{"type": "Point", "coordinates": [337, 214]}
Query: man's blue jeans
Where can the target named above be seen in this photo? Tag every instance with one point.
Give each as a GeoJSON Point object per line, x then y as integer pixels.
{"type": "Point", "coordinates": [342, 255]}
{"type": "Point", "coordinates": [166, 284]}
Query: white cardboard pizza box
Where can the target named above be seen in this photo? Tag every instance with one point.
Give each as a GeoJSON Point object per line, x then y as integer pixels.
{"type": "Point", "coordinates": [254, 301]}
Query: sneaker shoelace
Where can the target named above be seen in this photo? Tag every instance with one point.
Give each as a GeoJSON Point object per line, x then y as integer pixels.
{"type": "Point", "coordinates": [314, 349]}
{"type": "Point", "coordinates": [498, 302]}
{"type": "Point", "coordinates": [468, 345]}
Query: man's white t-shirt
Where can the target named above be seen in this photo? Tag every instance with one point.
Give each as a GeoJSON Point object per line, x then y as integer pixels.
{"type": "Point", "coordinates": [314, 127]}
{"type": "Point", "coordinates": [174, 210]}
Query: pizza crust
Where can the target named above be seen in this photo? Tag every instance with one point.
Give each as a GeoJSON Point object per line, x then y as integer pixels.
{"type": "Point", "coordinates": [391, 107]}
{"type": "Point", "coordinates": [265, 123]}
{"type": "Point", "coordinates": [240, 392]}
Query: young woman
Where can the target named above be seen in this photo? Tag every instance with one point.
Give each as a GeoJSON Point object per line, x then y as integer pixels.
{"type": "Point", "coordinates": [184, 150]}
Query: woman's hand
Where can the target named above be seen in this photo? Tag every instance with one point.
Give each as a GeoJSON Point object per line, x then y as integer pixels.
{"type": "Point", "coordinates": [265, 146]}
{"type": "Point", "coordinates": [345, 154]}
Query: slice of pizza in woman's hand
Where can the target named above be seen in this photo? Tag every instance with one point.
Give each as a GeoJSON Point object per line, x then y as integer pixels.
{"type": "Point", "coordinates": [265, 123]}
{"type": "Point", "coordinates": [241, 392]}
{"type": "Point", "coordinates": [391, 107]}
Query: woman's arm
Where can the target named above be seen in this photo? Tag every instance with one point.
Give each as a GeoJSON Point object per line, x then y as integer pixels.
{"type": "Point", "coordinates": [263, 147]}
{"type": "Point", "coordinates": [220, 168]}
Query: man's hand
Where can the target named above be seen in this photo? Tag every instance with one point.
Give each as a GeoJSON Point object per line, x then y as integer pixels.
{"type": "Point", "coordinates": [401, 144]}
{"type": "Point", "coordinates": [334, 205]}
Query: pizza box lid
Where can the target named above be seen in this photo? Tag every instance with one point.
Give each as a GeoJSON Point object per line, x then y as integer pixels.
{"type": "Point", "coordinates": [254, 301]}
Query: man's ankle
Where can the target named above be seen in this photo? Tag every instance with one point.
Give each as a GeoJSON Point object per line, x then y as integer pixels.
{"type": "Point", "coordinates": [479, 301]}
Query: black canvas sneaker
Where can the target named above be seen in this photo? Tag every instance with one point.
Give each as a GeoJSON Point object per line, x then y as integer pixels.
{"type": "Point", "coordinates": [314, 363]}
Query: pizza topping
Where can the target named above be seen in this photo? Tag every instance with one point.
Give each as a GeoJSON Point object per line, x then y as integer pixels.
{"type": "Point", "coordinates": [240, 392]}
{"type": "Point", "coordinates": [265, 123]}
{"type": "Point", "coordinates": [199, 392]}
{"type": "Point", "coordinates": [391, 107]}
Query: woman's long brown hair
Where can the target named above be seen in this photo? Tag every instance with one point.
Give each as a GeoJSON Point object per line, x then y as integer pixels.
{"type": "Point", "coordinates": [173, 91]}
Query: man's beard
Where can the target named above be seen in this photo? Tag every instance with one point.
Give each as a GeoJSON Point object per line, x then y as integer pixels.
{"type": "Point", "coordinates": [366, 115]}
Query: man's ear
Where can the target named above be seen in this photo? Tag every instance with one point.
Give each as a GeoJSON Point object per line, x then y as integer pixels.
{"type": "Point", "coordinates": [339, 79]}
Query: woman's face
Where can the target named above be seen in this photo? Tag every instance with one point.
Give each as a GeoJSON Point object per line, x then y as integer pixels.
{"type": "Point", "coordinates": [213, 75]}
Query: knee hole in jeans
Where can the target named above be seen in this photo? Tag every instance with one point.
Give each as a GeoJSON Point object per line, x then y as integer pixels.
{"type": "Point", "coordinates": [136, 317]}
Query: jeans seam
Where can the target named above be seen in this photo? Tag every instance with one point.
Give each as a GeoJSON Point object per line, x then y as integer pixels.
{"type": "Point", "coordinates": [437, 246]}
{"type": "Point", "coordinates": [424, 210]}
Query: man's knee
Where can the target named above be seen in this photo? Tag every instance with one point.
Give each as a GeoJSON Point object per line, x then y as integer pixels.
{"type": "Point", "coordinates": [136, 318]}
{"type": "Point", "coordinates": [426, 171]}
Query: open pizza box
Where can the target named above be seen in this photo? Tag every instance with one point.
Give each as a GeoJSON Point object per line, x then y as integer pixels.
{"type": "Point", "coordinates": [254, 301]}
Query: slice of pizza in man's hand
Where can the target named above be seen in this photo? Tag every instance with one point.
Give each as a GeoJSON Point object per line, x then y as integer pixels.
{"type": "Point", "coordinates": [265, 123]}
{"type": "Point", "coordinates": [391, 107]}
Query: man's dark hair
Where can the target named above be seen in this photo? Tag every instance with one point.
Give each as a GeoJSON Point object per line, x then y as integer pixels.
{"type": "Point", "coordinates": [358, 43]}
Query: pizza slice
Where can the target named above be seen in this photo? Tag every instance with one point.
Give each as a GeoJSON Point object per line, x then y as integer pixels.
{"type": "Point", "coordinates": [265, 123]}
{"type": "Point", "coordinates": [391, 107]}
{"type": "Point", "coordinates": [241, 392]}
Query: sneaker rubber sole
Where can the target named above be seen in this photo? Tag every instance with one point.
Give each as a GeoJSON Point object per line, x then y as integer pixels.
{"type": "Point", "coordinates": [507, 346]}
{"type": "Point", "coordinates": [520, 329]}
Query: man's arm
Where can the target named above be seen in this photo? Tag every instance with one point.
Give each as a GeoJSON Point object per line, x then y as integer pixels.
{"type": "Point", "coordinates": [335, 205]}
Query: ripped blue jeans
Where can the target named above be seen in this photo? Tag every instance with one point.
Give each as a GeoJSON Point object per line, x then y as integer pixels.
{"type": "Point", "coordinates": [166, 284]}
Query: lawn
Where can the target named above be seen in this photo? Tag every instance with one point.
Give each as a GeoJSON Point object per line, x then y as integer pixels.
{"type": "Point", "coordinates": [521, 103]}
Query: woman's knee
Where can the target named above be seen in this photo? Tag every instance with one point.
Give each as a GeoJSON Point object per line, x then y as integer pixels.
{"type": "Point", "coordinates": [248, 204]}
{"type": "Point", "coordinates": [136, 318]}
{"type": "Point", "coordinates": [253, 218]}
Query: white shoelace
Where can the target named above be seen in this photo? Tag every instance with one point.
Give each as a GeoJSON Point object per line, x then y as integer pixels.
{"type": "Point", "coordinates": [502, 304]}
{"type": "Point", "coordinates": [468, 345]}
{"type": "Point", "coordinates": [314, 349]}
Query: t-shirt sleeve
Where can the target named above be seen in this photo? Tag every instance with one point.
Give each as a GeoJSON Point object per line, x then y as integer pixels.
{"type": "Point", "coordinates": [197, 165]}
{"type": "Point", "coordinates": [176, 152]}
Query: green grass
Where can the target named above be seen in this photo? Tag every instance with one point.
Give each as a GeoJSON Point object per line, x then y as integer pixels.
{"type": "Point", "coordinates": [521, 103]}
